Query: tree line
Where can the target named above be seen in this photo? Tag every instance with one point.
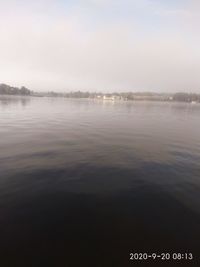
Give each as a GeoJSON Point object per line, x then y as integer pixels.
{"type": "Point", "coordinates": [179, 97]}
{"type": "Point", "coordinates": [185, 97]}
{"type": "Point", "coordinates": [9, 90]}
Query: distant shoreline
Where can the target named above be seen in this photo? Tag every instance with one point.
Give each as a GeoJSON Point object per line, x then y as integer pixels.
{"type": "Point", "coordinates": [7, 90]}
{"type": "Point", "coordinates": [103, 100]}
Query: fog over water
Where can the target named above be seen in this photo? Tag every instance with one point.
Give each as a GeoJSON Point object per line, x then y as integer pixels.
{"type": "Point", "coordinates": [85, 182]}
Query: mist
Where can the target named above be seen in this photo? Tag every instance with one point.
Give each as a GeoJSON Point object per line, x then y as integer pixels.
{"type": "Point", "coordinates": [100, 45]}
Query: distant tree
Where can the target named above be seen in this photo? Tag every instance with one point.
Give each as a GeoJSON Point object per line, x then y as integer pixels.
{"type": "Point", "coordinates": [24, 91]}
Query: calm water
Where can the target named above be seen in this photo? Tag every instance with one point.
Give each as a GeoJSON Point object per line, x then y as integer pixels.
{"type": "Point", "coordinates": [85, 183]}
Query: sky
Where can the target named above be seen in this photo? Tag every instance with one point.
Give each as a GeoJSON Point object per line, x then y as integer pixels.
{"type": "Point", "coordinates": [101, 45]}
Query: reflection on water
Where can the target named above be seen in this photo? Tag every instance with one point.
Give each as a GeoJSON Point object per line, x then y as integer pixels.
{"type": "Point", "coordinates": [84, 183]}
{"type": "Point", "coordinates": [17, 100]}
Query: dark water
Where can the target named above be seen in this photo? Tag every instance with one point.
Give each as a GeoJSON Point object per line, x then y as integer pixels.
{"type": "Point", "coordinates": [85, 183]}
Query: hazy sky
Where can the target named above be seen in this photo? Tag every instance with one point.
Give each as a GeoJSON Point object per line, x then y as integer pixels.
{"type": "Point", "coordinates": [108, 45]}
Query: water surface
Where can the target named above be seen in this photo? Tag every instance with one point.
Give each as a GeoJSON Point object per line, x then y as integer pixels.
{"type": "Point", "coordinates": [84, 182]}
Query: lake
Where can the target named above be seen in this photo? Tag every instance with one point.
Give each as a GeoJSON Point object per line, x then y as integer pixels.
{"type": "Point", "coordinates": [87, 182]}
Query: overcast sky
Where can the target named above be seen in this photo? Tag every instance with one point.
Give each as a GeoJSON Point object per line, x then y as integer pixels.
{"type": "Point", "coordinates": [103, 45]}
